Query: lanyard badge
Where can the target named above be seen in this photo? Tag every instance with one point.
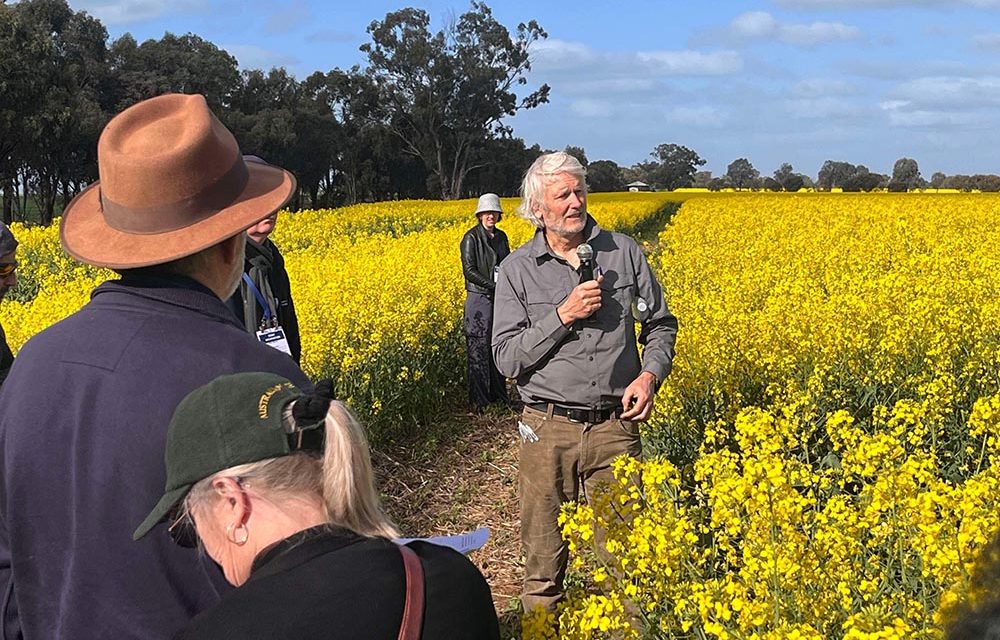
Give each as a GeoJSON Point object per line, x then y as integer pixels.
{"type": "Point", "coordinates": [275, 337]}
{"type": "Point", "coordinates": [270, 332]}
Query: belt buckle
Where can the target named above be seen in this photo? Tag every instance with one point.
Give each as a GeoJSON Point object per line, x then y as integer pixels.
{"type": "Point", "coordinates": [577, 415]}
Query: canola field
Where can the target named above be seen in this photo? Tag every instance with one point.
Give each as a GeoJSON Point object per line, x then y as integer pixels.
{"type": "Point", "coordinates": [825, 452]}
{"type": "Point", "coordinates": [822, 462]}
{"type": "Point", "coordinates": [378, 290]}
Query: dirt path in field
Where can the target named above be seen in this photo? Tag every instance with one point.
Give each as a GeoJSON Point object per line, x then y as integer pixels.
{"type": "Point", "coordinates": [462, 478]}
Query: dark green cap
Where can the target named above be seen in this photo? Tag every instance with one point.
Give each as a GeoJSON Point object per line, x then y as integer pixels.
{"type": "Point", "coordinates": [232, 420]}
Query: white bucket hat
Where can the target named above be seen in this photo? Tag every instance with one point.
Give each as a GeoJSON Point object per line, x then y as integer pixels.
{"type": "Point", "coordinates": [488, 202]}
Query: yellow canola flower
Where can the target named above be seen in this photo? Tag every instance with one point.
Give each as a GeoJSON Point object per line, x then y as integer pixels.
{"type": "Point", "coordinates": [378, 289]}
{"type": "Point", "coordinates": [832, 424]}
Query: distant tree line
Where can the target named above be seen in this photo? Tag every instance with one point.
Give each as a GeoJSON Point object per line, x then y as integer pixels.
{"type": "Point", "coordinates": [422, 117]}
{"type": "Point", "coordinates": [673, 166]}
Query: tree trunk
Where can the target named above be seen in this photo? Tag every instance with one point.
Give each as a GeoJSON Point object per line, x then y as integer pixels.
{"type": "Point", "coordinates": [8, 201]}
{"type": "Point", "coordinates": [67, 194]}
{"type": "Point", "coordinates": [443, 177]}
{"type": "Point", "coordinates": [46, 199]}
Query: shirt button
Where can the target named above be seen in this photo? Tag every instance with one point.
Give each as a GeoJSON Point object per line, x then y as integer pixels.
{"type": "Point", "coordinates": [590, 358]}
{"type": "Point", "coordinates": [593, 384]}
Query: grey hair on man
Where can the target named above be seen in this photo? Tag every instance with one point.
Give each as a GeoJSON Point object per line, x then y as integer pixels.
{"type": "Point", "coordinates": [535, 179]}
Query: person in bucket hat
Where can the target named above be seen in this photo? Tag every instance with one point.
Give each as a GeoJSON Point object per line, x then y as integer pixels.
{"type": "Point", "coordinates": [84, 412]}
{"type": "Point", "coordinates": [483, 248]}
{"type": "Point", "coordinates": [278, 488]}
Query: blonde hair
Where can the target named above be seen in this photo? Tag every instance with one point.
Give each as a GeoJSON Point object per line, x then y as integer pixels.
{"type": "Point", "coordinates": [537, 178]}
{"type": "Point", "coordinates": [341, 479]}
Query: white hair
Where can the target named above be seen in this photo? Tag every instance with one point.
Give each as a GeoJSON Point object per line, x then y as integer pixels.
{"type": "Point", "coordinates": [538, 176]}
{"type": "Point", "coordinates": [342, 480]}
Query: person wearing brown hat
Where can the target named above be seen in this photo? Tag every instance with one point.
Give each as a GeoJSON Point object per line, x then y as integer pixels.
{"type": "Point", "coordinates": [277, 487]}
{"type": "Point", "coordinates": [8, 280]}
{"type": "Point", "coordinates": [483, 248]}
{"type": "Point", "coordinates": [84, 413]}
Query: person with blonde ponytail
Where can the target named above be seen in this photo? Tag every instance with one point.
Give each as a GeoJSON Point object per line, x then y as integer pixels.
{"type": "Point", "coordinates": [277, 488]}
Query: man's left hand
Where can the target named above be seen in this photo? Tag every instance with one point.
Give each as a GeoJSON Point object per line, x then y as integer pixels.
{"type": "Point", "coordinates": [638, 398]}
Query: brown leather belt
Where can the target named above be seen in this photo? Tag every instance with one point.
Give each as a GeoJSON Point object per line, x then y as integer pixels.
{"type": "Point", "coordinates": [578, 415]}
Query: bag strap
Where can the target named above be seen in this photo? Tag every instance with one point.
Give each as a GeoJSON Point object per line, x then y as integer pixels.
{"type": "Point", "coordinates": [413, 610]}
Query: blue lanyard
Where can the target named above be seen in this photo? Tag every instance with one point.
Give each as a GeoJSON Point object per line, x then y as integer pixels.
{"type": "Point", "coordinates": [268, 314]}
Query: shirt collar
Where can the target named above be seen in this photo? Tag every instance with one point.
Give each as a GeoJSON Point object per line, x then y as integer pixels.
{"type": "Point", "coordinates": [301, 547]}
{"type": "Point", "coordinates": [153, 279]}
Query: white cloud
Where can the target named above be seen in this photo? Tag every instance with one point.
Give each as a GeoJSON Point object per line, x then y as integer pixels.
{"type": "Point", "coordinates": [942, 102]}
{"type": "Point", "coordinates": [760, 25]}
{"type": "Point", "coordinates": [122, 12]}
{"type": "Point", "coordinates": [810, 35]}
{"type": "Point", "coordinates": [950, 92]}
{"type": "Point", "coordinates": [987, 41]}
{"type": "Point", "coordinates": [882, 4]}
{"type": "Point", "coordinates": [819, 87]}
{"type": "Point", "coordinates": [251, 56]}
{"type": "Point", "coordinates": [615, 85]}
{"type": "Point", "coordinates": [697, 116]}
{"type": "Point", "coordinates": [554, 54]}
{"type": "Point", "coordinates": [754, 24]}
{"type": "Point", "coordinates": [691, 63]}
{"type": "Point", "coordinates": [590, 108]}
{"type": "Point", "coordinates": [923, 118]}
{"type": "Point", "coordinates": [825, 108]}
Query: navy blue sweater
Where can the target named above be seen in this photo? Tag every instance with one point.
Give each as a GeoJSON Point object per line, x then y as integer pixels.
{"type": "Point", "coordinates": [83, 420]}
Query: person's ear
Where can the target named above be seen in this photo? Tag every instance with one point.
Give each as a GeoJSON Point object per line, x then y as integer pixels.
{"type": "Point", "coordinates": [234, 501]}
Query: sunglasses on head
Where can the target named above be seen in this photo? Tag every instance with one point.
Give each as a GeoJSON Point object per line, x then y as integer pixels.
{"type": "Point", "coordinates": [181, 528]}
{"type": "Point", "coordinates": [7, 269]}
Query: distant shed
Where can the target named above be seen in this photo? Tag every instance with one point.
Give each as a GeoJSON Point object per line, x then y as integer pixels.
{"type": "Point", "coordinates": [638, 186]}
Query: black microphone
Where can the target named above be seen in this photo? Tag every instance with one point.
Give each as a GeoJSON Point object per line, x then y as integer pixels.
{"type": "Point", "coordinates": [586, 255]}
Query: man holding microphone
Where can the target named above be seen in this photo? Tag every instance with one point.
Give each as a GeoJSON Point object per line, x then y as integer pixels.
{"type": "Point", "coordinates": [565, 308]}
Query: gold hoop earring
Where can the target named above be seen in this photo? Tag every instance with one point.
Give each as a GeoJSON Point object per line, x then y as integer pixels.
{"type": "Point", "coordinates": [231, 534]}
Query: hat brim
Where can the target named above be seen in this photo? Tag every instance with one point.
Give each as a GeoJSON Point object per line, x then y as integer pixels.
{"type": "Point", "coordinates": [169, 500]}
{"type": "Point", "coordinates": [86, 236]}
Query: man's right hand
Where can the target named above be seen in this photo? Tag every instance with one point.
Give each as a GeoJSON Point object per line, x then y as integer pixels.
{"type": "Point", "coordinates": [582, 302]}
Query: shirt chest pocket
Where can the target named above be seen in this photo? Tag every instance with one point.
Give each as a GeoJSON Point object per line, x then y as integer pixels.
{"type": "Point", "coordinates": [543, 303]}
{"type": "Point", "coordinates": [617, 294]}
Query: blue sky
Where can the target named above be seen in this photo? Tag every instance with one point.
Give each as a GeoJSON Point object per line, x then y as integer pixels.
{"type": "Point", "coordinates": [800, 81]}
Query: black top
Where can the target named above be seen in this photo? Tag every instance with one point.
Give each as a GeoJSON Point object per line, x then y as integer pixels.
{"type": "Point", "coordinates": [480, 254]}
{"type": "Point", "coordinates": [6, 356]}
{"type": "Point", "coordinates": [329, 583]}
{"type": "Point", "coordinates": [266, 267]}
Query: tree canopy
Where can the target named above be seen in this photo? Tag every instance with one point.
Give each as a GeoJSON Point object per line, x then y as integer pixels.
{"type": "Point", "coordinates": [741, 174]}
{"type": "Point", "coordinates": [424, 117]}
{"type": "Point", "coordinates": [444, 95]}
{"type": "Point", "coordinates": [673, 166]}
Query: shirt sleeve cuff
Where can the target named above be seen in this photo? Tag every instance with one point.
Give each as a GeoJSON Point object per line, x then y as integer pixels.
{"type": "Point", "coordinates": [659, 372]}
{"type": "Point", "coordinates": [553, 327]}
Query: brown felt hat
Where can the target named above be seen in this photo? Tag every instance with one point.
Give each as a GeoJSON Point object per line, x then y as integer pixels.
{"type": "Point", "coordinates": [172, 182]}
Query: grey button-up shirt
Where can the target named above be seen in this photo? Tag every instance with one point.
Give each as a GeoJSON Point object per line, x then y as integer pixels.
{"type": "Point", "coordinates": [589, 364]}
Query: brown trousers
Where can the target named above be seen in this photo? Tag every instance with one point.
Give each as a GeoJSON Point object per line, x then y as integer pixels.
{"type": "Point", "coordinates": [568, 457]}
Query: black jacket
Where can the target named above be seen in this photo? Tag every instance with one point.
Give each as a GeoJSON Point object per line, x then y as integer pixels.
{"type": "Point", "coordinates": [6, 357]}
{"type": "Point", "coordinates": [479, 258]}
{"type": "Point", "coordinates": [266, 268]}
{"type": "Point", "coordinates": [327, 583]}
